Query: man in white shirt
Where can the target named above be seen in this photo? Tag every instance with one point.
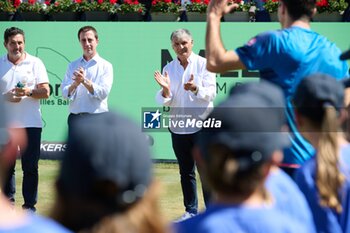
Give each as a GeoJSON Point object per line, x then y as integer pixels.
{"type": "Point", "coordinates": [189, 89]}
{"type": "Point", "coordinates": [88, 79]}
{"type": "Point", "coordinates": [24, 82]}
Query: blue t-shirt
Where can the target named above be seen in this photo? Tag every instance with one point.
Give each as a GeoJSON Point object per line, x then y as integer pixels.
{"type": "Point", "coordinates": [284, 57]}
{"type": "Point", "coordinates": [234, 219]}
{"type": "Point", "coordinates": [326, 219]}
{"type": "Point", "coordinates": [35, 224]}
{"type": "Point", "coordinates": [289, 199]}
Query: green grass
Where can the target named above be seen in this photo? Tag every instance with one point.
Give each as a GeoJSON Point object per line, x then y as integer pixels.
{"type": "Point", "coordinates": [171, 202]}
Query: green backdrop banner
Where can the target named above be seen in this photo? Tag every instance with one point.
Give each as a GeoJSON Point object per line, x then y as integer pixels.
{"type": "Point", "coordinates": [136, 50]}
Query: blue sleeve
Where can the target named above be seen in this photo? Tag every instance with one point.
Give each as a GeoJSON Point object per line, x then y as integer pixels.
{"type": "Point", "coordinates": [259, 52]}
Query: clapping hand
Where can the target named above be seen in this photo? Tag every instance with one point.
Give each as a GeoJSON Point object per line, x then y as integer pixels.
{"type": "Point", "coordinates": [79, 75]}
{"type": "Point", "coordinates": [190, 85]}
{"type": "Point", "coordinates": [163, 81]}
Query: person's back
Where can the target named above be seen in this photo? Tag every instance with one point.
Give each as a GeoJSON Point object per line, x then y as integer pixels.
{"type": "Point", "coordinates": [325, 178]}
{"type": "Point", "coordinates": [293, 53]}
{"type": "Point", "coordinates": [288, 198]}
{"type": "Point", "coordinates": [240, 218]}
{"type": "Point", "coordinates": [283, 57]}
{"type": "Point", "coordinates": [236, 160]}
{"type": "Point", "coordinates": [326, 219]}
{"type": "Point", "coordinates": [29, 223]}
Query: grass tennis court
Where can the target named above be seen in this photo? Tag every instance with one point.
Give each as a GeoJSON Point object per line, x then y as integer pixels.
{"type": "Point", "coordinates": [167, 174]}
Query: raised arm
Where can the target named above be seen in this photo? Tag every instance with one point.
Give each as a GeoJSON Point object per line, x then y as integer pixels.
{"type": "Point", "coordinates": [218, 59]}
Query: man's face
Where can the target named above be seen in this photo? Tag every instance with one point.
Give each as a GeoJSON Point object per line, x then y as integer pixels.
{"type": "Point", "coordinates": [15, 47]}
{"type": "Point", "coordinates": [88, 43]}
{"type": "Point", "coordinates": [182, 46]}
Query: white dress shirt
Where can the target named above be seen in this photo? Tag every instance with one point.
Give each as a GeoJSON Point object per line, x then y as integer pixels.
{"type": "Point", "coordinates": [100, 73]}
{"type": "Point", "coordinates": [186, 103]}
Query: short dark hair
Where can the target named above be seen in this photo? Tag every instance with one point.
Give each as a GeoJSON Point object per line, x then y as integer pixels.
{"type": "Point", "coordinates": [87, 28]}
{"type": "Point", "coordinates": [300, 8]}
{"type": "Point", "coordinates": [12, 31]}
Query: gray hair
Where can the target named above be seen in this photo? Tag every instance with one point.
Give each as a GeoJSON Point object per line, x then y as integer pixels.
{"type": "Point", "coordinates": [180, 33]}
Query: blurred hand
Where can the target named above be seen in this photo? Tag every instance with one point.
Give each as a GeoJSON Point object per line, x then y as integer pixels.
{"type": "Point", "coordinates": [12, 97]}
{"type": "Point", "coordinates": [221, 7]}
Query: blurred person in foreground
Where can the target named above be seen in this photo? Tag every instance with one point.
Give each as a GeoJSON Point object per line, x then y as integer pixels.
{"type": "Point", "coordinates": [325, 178]}
{"type": "Point", "coordinates": [236, 160]}
{"type": "Point", "coordinates": [106, 183]}
{"type": "Point", "coordinates": [283, 57]}
{"type": "Point", "coordinates": [24, 82]}
{"type": "Point", "coordinates": [11, 220]}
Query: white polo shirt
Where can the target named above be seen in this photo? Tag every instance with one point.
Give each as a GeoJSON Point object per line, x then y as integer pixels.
{"type": "Point", "coordinates": [31, 71]}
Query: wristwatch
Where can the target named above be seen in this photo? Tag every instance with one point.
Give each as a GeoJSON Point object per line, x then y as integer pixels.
{"type": "Point", "coordinates": [195, 91]}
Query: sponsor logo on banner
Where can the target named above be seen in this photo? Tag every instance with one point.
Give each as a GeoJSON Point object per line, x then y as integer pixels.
{"type": "Point", "coordinates": [158, 119]}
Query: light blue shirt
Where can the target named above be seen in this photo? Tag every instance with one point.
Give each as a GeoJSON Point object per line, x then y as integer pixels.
{"type": "Point", "coordinates": [100, 73]}
{"type": "Point", "coordinates": [239, 219]}
{"type": "Point", "coordinates": [288, 198]}
{"type": "Point", "coordinates": [35, 224]}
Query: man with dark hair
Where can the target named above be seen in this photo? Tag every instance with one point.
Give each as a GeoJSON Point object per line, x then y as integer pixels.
{"type": "Point", "coordinates": [24, 82]}
{"type": "Point", "coordinates": [283, 57]}
{"type": "Point", "coordinates": [88, 79]}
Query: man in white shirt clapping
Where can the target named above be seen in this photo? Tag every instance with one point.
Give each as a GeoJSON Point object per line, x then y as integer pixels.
{"type": "Point", "coordinates": [88, 79]}
{"type": "Point", "coordinates": [189, 89]}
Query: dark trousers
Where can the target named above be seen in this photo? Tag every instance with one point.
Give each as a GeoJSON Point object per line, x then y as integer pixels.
{"type": "Point", "coordinates": [29, 159]}
{"type": "Point", "coordinates": [73, 117]}
{"type": "Point", "coordinates": [183, 145]}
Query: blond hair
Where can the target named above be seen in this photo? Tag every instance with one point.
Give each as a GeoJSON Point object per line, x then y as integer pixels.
{"type": "Point", "coordinates": [328, 177]}
{"type": "Point", "coordinates": [224, 176]}
{"type": "Point", "coordinates": [90, 217]}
